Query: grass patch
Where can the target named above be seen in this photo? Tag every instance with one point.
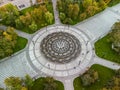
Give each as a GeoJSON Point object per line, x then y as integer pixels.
{"type": "Point", "coordinates": [103, 49]}
{"type": "Point", "coordinates": [38, 84]}
{"type": "Point", "coordinates": [21, 43]}
{"type": "Point", "coordinates": [105, 74]}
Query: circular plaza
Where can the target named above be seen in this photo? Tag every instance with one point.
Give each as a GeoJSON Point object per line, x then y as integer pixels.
{"type": "Point", "coordinates": [60, 51]}
{"type": "Point", "coordinates": [60, 47]}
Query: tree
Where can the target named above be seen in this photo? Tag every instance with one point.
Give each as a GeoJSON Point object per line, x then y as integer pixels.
{"type": "Point", "coordinates": [90, 77]}
{"type": "Point", "coordinates": [68, 21]}
{"type": "Point", "coordinates": [87, 3]}
{"type": "Point", "coordinates": [115, 37]}
{"type": "Point", "coordinates": [50, 84]}
{"type": "Point", "coordinates": [37, 14]}
{"type": "Point", "coordinates": [76, 10]}
{"type": "Point", "coordinates": [107, 1]}
{"type": "Point", "coordinates": [24, 88]}
{"type": "Point", "coordinates": [9, 13]}
{"type": "Point", "coordinates": [19, 24]}
{"type": "Point", "coordinates": [33, 26]}
{"type": "Point", "coordinates": [62, 16]}
{"type": "Point", "coordinates": [28, 82]}
{"type": "Point", "coordinates": [49, 17]}
{"type": "Point", "coordinates": [59, 6]}
{"type": "Point", "coordinates": [26, 19]}
{"type": "Point", "coordinates": [8, 40]}
{"type": "Point", "coordinates": [102, 4]}
{"type": "Point", "coordinates": [70, 10]}
{"type": "Point", "coordinates": [13, 83]}
{"type": "Point", "coordinates": [2, 53]}
{"type": "Point", "coordinates": [91, 10]}
{"type": "Point", "coordinates": [83, 16]}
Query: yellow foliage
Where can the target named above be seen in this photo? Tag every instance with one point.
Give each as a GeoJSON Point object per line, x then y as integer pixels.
{"type": "Point", "coordinates": [83, 16]}
{"type": "Point", "coordinates": [7, 36]}
{"type": "Point", "coordinates": [87, 3]}
{"type": "Point", "coordinates": [107, 1]}
{"type": "Point", "coordinates": [96, 75]}
{"type": "Point", "coordinates": [104, 89]}
{"type": "Point", "coordinates": [24, 88]}
{"type": "Point", "coordinates": [116, 81]}
{"type": "Point", "coordinates": [102, 4]}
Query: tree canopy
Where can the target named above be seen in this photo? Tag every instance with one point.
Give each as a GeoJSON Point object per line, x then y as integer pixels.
{"type": "Point", "coordinates": [115, 37]}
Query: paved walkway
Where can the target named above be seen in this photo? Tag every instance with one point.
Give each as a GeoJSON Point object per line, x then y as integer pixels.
{"type": "Point", "coordinates": [100, 24]}
{"type": "Point", "coordinates": [56, 14]}
{"type": "Point", "coordinates": [17, 65]}
{"type": "Point", "coordinates": [106, 63]}
{"type": "Point", "coordinates": [94, 27]}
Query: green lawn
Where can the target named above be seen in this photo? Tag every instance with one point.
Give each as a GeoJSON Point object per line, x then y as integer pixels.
{"type": "Point", "coordinates": [105, 74]}
{"type": "Point", "coordinates": [21, 43]}
{"type": "Point", "coordinates": [38, 84]}
{"type": "Point", "coordinates": [103, 49]}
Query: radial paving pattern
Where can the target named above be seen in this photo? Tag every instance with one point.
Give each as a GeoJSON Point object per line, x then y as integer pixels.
{"type": "Point", "coordinates": [60, 47]}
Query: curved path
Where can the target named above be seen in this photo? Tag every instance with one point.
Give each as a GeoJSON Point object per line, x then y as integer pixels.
{"type": "Point", "coordinates": [95, 28]}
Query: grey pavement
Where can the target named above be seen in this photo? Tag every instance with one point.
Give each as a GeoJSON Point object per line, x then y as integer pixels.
{"type": "Point", "coordinates": [15, 66]}
{"type": "Point", "coordinates": [106, 63]}
{"type": "Point", "coordinates": [56, 13]}
{"type": "Point", "coordinates": [100, 24]}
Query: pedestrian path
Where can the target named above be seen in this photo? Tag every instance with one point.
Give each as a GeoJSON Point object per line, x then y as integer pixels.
{"type": "Point", "coordinates": [15, 66]}
{"type": "Point", "coordinates": [109, 64]}
{"type": "Point", "coordinates": [100, 24]}
{"type": "Point", "coordinates": [56, 14]}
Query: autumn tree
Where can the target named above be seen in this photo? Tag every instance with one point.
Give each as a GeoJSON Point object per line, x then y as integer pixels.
{"type": "Point", "coordinates": [33, 26]}
{"type": "Point", "coordinates": [8, 40]}
{"type": "Point", "coordinates": [102, 4]}
{"type": "Point", "coordinates": [70, 10]}
{"type": "Point", "coordinates": [13, 83]}
{"type": "Point", "coordinates": [90, 77]}
{"type": "Point", "coordinates": [49, 17]}
{"type": "Point", "coordinates": [9, 13]}
{"type": "Point", "coordinates": [62, 16]}
{"type": "Point", "coordinates": [75, 12]}
{"type": "Point", "coordinates": [28, 82]}
{"type": "Point", "coordinates": [115, 37]}
{"type": "Point", "coordinates": [26, 19]}
{"type": "Point", "coordinates": [50, 84]}
{"type": "Point", "coordinates": [82, 16]}
{"type": "Point", "coordinates": [87, 3]}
